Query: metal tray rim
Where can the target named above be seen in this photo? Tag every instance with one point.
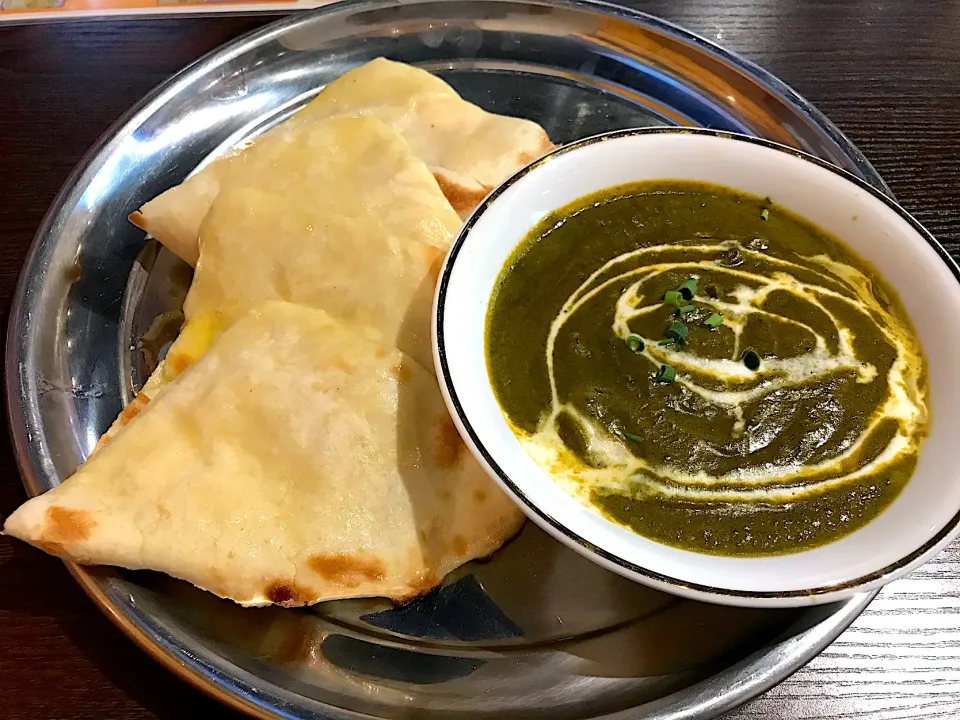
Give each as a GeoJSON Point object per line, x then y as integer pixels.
{"type": "Point", "coordinates": [222, 680]}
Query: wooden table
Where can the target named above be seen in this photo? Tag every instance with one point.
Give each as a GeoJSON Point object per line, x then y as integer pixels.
{"type": "Point", "coordinates": [888, 73]}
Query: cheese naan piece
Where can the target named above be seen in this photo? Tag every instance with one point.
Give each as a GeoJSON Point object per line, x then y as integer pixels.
{"type": "Point", "coordinates": [297, 461]}
{"type": "Point", "coordinates": [469, 150]}
{"type": "Point", "coordinates": [360, 232]}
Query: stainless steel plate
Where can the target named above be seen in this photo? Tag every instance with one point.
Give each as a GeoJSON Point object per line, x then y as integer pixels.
{"type": "Point", "coordinates": [535, 632]}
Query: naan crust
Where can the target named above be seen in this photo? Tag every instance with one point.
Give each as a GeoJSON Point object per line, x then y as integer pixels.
{"type": "Point", "coordinates": [235, 476]}
{"type": "Point", "coordinates": [469, 150]}
{"type": "Point", "coordinates": [194, 340]}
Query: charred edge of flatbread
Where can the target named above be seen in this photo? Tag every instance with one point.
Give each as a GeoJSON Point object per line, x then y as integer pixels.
{"type": "Point", "coordinates": [138, 219]}
{"type": "Point", "coordinates": [126, 416]}
{"type": "Point", "coordinates": [342, 570]}
{"type": "Point", "coordinates": [462, 198]}
{"type": "Point", "coordinates": [287, 593]}
{"type": "Point", "coordinates": [63, 529]}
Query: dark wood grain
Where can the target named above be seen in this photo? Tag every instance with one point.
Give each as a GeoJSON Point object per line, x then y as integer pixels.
{"type": "Point", "coordinates": [888, 73]}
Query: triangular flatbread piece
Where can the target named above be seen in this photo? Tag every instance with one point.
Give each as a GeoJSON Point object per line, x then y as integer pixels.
{"type": "Point", "coordinates": [297, 461]}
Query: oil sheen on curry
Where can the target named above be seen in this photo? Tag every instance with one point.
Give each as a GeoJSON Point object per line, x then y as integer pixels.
{"type": "Point", "coordinates": [707, 369]}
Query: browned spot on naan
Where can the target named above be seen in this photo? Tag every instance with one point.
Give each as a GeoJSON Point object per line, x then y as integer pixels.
{"type": "Point", "coordinates": [176, 363]}
{"type": "Point", "coordinates": [421, 586]}
{"type": "Point", "coordinates": [137, 218]}
{"type": "Point", "coordinates": [462, 198]}
{"type": "Point", "coordinates": [135, 407]}
{"type": "Point", "coordinates": [449, 444]}
{"type": "Point", "coordinates": [65, 526]}
{"type": "Point", "coordinates": [289, 594]}
{"type": "Point", "coordinates": [347, 570]}
{"type": "Point", "coordinates": [465, 194]}
{"type": "Point", "coordinates": [127, 416]}
{"type": "Point", "coordinates": [528, 156]}
{"type": "Point", "coordinates": [479, 495]}
{"type": "Point", "coordinates": [402, 372]}
{"type": "Point", "coordinates": [345, 365]}
{"type": "Point", "coordinates": [52, 548]}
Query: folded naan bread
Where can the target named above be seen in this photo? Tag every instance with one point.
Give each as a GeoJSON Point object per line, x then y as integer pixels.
{"type": "Point", "coordinates": [298, 460]}
{"type": "Point", "coordinates": [360, 231]}
{"type": "Point", "coordinates": [469, 150]}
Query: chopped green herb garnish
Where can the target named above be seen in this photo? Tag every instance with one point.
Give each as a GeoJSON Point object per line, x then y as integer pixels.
{"type": "Point", "coordinates": [666, 374]}
{"type": "Point", "coordinates": [688, 289]}
{"type": "Point", "coordinates": [631, 436]}
{"type": "Point", "coordinates": [684, 309]}
{"type": "Point", "coordinates": [677, 332]}
{"type": "Point", "coordinates": [672, 297]}
{"type": "Point", "coordinates": [751, 358]}
{"type": "Point", "coordinates": [668, 341]}
{"type": "Point", "coordinates": [765, 214]}
{"type": "Point", "coordinates": [635, 343]}
{"type": "Point", "coordinates": [714, 321]}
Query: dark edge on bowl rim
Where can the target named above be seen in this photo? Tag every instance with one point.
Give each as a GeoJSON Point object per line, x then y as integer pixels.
{"type": "Point", "coordinates": [196, 671]}
{"type": "Point", "coordinates": [444, 374]}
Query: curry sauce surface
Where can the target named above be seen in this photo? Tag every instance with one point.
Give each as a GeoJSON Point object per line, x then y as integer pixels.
{"type": "Point", "coordinates": [724, 459]}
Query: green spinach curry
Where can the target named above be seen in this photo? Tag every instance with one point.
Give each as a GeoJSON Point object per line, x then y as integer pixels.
{"type": "Point", "coordinates": [707, 369]}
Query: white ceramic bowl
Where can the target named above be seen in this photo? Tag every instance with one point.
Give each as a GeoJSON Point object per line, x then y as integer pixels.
{"type": "Point", "coordinates": [922, 519]}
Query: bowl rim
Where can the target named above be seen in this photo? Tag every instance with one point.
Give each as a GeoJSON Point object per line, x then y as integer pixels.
{"type": "Point", "coordinates": [820, 594]}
